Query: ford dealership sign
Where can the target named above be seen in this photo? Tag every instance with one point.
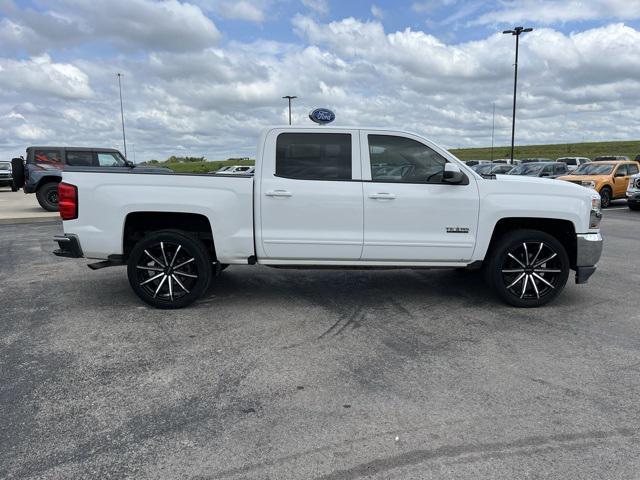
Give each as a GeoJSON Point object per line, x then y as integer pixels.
{"type": "Point", "coordinates": [322, 116]}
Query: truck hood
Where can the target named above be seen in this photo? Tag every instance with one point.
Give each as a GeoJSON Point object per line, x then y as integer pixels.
{"type": "Point", "coordinates": [582, 178]}
{"type": "Point", "coordinates": [541, 185]}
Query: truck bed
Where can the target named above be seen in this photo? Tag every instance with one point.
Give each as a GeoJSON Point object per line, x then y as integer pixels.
{"type": "Point", "coordinates": [108, 197]}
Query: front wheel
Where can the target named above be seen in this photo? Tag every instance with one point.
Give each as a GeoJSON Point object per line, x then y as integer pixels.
{"type": "Point", "coordinates": [634, 207]}
{"type": "Point", "coordinates": [47, 196]}
{"type": "Point", "coordinates": [169, 269]}
{"type": "Point", "coordinates": [528, 268]}
{"type": "Point", "coordinates": [605, 197]}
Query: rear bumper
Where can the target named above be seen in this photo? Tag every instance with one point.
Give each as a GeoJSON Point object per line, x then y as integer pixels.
{"type": "Point", "coordinates": [69, 246]}
{"type": "Point", "coordinates": [588, 252]}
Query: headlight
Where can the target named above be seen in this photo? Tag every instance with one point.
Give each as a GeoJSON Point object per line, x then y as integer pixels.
{"type": "Point", "coordinates": [590, 184]}
{"type": "Point", "coordinates": [636, 183]}
{"type": "Point", "coordinates": [596, 212]}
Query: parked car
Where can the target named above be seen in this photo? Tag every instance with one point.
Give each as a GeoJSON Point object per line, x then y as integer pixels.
{"type": "Point", "coordinates": [492, 169]}
{"type": "Point", "coordinates": [609, 178]}
{"type": "Point", "coordinates": [637, 159]}
{"type": "Point", "coordinates": [540, 169]}
{"type": "Point", "coordinates": [573, 162]}
{"type": "Point", "coordinates": [535, 159]}
{"type": "Point", "coordinates": [6, 177]}
{"type": "Point", "coordinates": [611, 158]}
{"type": "Point", "coordinates": [515, 161]}
{"type": "Point", "coordinates": [471, 163]}
{"type": "Point", "coordinates": [305, 207]}
{"type": "Point", "coordinates": [633, 192]}
{"type": "Point", "coordinates": [235, 170]}
{"type": "Point", "coordinates": [42, 170]}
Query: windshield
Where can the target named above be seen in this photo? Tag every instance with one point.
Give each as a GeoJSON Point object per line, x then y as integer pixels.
{"type": "Point", "coordinates": [593, 169]}
{"type": "Point", "coordinates": [531, 169]}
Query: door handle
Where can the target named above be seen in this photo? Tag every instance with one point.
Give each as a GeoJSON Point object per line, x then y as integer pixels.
{"type": "Point", "coordinates": [382, 196]}
{"type": "Point", "coordinates": [278, 193]}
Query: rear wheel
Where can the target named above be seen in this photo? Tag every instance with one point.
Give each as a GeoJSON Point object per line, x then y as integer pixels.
{"type": "Point", "coordinates": [528, 268]}
{"type": "Point", "coordinates": [169, 269]}
{"type": "Point", "coordinates": [605, 197]}
{"type": "Point", "coordinates": [47, 196]}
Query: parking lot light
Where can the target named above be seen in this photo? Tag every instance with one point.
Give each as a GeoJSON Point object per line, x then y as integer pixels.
{"type": "Point", "coordinates": [516, 32]}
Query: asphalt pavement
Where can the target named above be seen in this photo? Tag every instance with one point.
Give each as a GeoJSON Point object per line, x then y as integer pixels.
{"type": "Point", "coordinates": [326, 374]}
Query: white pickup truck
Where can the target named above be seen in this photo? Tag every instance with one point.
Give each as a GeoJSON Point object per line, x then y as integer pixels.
{"type": "Point", "coordinates": [332, 197]}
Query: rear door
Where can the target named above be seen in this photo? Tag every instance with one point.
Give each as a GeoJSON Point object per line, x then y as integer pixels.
{"type": "Point", "coordinates": [311, 195]}
{"type": "Point", "coordinates": [410, 214]}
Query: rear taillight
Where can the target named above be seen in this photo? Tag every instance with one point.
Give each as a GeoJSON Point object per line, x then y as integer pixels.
{"type": "Point", "coordinates": [67, 201]}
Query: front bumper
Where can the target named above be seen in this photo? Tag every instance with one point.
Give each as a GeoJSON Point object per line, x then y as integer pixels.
{"type": "Point", "coordinates": [588, 252]}
{"type": "Point", "coordinates": [69, 246]}
{"type": "Point", "coordinates": [633, 198]}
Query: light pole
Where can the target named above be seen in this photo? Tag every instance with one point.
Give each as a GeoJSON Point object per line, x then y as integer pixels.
{"type": "Point", "coordinates": [493, 129]}
{"type": "Point", "coordinates": [124, 138]}
{"type": "Point", "coordinates": [515, 32]}
{"type": "Point", "coordinates": [289, 97]}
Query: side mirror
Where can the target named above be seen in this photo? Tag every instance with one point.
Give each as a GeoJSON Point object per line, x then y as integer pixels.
{"type": "Point", "coordinates": [452, 174]}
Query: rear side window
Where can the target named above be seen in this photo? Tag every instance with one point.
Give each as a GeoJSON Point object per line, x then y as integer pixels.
{"type": "Point", "coordinates": [107, 159]}
{"type": "Point", "coordinates": [404, 160]}
{"type": "Point", "coordinates": [632, 169]}
{"type": "Point", "coordinates": [80, 159]}
{"type": "Point", "coordinates": [51, 157]}
{"type": "Point", "coordinates": [622, 171]}
{"type": "Point", "coordinates": [561, 168]}
{"type": "Point", "coordinates": [570, 161]}
{"type": "Point", "coordinates": [314, 156]}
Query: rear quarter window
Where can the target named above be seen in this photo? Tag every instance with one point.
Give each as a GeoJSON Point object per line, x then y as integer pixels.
{"type": "Point", "coordinates": [50, 157]}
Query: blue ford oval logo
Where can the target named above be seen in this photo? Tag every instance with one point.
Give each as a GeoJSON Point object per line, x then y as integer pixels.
{"type": "Point", "coordinates": [322, 116]}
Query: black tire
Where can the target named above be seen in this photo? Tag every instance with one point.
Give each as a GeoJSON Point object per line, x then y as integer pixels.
{"type": "Point", "coordinates": [605, 197]}
{"type": "Point", "coordinates": [633, 206]}
{"type": "Point", "coordinates": [527, 280]}
{"type": "Point", "coordinates": [153, 275]}
{"type": "Point", "coordinates": [47, 196]}
{"type": "Point", "coordinates": [17, 172]}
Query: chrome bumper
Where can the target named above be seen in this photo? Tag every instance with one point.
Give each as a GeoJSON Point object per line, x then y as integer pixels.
{"type": "Point", "coordinates": [588, 252]}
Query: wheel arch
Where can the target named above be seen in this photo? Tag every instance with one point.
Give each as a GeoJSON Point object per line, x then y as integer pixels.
{"type": "Point", "coordinates": [563, 230]}
{"type": "Point", "coordinates": [140, 223]}
{"type": "Point", "coordinates": [47, 179]}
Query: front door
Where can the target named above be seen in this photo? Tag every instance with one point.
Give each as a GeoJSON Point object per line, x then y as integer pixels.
{"type": "Point", "coordinates": [410, 214]}
{"type": "Point", "coordinates": [311, 196]}
{"type": "Point", "coordinates": [620, 181]}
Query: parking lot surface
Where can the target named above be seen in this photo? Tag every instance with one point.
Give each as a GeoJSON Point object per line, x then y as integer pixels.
{"type": "Point", "coordinates": [316, 374]}
{"type": "Point", "coordinates": [16, 207]}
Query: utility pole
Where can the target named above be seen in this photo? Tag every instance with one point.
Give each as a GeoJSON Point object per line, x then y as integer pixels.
{"type": "Point", "coordinates": [516, 32]}
{"type": "Point", "coordinates": [493, 128]}
{"type": "Point", "coordinates": [289, 97]}
{"type": "Point", "coordinates": [124, 138]}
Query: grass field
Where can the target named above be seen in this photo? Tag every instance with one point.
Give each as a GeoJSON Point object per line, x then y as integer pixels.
{"type": "Point", "coordinates": [590, 150]}
{"type": "Point", "coordinates": [202, 167]}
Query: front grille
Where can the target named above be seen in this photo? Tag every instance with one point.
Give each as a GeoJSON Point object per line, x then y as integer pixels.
{"type": "Point", "coordinates": [636, 183]}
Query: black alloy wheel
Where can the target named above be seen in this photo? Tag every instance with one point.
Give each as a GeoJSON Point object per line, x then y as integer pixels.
{"type": "Point", "coordinates": [169, 269]}
{"type": "Point", "coordinates": [529, 268]}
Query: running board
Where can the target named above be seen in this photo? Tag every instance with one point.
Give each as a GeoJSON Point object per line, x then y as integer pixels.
{"type": "Point", "coordinates": [112, 261]}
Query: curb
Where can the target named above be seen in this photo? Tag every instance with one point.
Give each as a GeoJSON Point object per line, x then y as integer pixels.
{"type": "Point", "coordinates": [19, 220]}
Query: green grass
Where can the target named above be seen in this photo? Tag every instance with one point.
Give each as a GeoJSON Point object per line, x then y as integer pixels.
{"type": "Point", "coordinates": [202, 167]}
{"type": "Point", "coordinates": [591, 150]}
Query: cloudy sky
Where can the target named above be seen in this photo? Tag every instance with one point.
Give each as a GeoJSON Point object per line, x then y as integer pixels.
{"type": "Point", "coordinates": [202, 77]}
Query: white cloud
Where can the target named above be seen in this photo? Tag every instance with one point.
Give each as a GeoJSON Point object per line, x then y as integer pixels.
{"type": "Point", "coordinates": [551, 11]}
{"type": "Point", "coordinates": [321, 7]}
{"type": "Point", "coordinates": [241, 10]}
{"type": "Point", "coordinates": [377, 12]}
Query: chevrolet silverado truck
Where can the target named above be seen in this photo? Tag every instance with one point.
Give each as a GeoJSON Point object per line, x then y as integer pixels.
{"type": "Point", "coordinates": [330, 197]}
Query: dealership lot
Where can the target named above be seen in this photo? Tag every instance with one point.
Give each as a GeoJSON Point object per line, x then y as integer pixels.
{"type": "Point", "coordinates": [316, 374]}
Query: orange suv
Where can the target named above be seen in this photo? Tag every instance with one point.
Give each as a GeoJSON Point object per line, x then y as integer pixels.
{"type": "Point", "coordinates": [609, 179]}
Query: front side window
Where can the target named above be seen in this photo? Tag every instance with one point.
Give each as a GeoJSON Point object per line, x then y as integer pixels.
{"type": "Point", "coordinates": [51, 157]}
{"type": "Point", "coordinates": [621, 171]}
{"type": "Point", "coordinates": [107, 159]}
{"type": "Point", "coordinates": [314, 156]}
{"type": "Point", "coordinates": [403, 160]}
{"type": "Point", "coordinates": [80, 159]}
